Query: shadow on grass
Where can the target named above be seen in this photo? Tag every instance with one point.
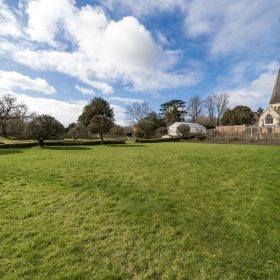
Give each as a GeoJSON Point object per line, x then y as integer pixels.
{"type": "Point", "coordinates": [67, 148]}
{"type": "Point", "coordinates": [125, 145]}
{"type": "Point", "coordinates": [10, 151]}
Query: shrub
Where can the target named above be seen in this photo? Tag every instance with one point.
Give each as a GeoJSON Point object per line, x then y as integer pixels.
{"type": "Point", "coordinates": [160, 132]}
{"type": "Point", "coordinates": [146, 127]}
{"type": "Point", "coordinates": [200, 137]}
{"type": "Point", "coordinates": [139, 133]}
{"type": "Point", "coordinates": [183, 130]}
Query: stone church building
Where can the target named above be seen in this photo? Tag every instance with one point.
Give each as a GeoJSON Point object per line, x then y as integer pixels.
{"type": "Point", "coordinates": [271, 116]}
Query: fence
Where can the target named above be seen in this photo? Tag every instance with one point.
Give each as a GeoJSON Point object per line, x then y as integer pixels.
{"type": "Point", "coordinates": [269, 135]}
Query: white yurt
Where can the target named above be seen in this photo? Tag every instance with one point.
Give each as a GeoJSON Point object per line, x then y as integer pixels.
{"type": "Point", "coordinates": [194, 128]}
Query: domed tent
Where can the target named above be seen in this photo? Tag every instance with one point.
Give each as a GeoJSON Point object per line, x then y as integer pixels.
{"type": "Point", "coordinates": [194, 128]}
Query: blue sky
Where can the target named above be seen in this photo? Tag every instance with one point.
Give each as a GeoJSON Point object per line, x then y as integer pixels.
{"type": "Point", "coordinates": [56, 55]}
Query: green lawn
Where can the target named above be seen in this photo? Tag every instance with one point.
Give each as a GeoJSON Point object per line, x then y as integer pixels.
{"type": "Point", "coordinates": [149, 211]}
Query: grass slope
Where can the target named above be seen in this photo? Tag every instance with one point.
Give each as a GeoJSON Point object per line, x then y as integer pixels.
{"type": "Point", "coordinates": [147, 211]}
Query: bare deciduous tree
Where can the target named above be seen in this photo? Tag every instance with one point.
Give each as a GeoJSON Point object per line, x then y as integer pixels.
{"type": "Point", "coordinates": [194, 107]}
{"type": "Point", "coordinates": [137, 111]}
{"type": "Point", "coordinates": [209, 104]}
{"type": "Point", "coordinates": [221, 105]}
{"type": "Point", "coordinates": [10, 110]}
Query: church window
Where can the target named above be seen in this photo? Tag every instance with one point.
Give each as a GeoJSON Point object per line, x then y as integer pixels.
{"type": "Point", "coordinates": [269, 119]}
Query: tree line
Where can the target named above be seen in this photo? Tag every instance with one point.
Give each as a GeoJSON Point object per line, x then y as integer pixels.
{"type": "Point", "coordinates": [97, 117]}
{"type": "Point", "coordinates": [195, 109]}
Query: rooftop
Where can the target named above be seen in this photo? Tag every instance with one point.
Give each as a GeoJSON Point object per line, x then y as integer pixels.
{"type": "Point", "coordinates": [275, 98]}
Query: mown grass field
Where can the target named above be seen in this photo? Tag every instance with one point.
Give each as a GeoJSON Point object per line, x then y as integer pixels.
{"type": "Point", "coordinates": [147, 211]}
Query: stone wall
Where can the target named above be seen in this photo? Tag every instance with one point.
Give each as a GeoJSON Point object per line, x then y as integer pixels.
{"type": "Point", "coordinates": [231, 129]}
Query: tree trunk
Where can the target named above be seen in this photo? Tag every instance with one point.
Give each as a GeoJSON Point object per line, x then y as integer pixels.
{"type": "Point", "coordinates": [102, 140]}
{"type": "Point", "coordinates": [218, 121]}
{"type": "Point", "coordinates": [41, 142]}
{"type": "Point", "coordinates": [4, 130]}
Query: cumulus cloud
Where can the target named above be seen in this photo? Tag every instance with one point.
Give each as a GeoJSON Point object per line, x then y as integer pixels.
{"type": "Point", "coordinates": [257, 91]}
{"type": "Point", "coordinates": [126, 101]}
{"type": "Point", "coordinates": [74, 64]}
{"type": "Point", "coordinates": [234, 26]}
{"type": "Point", "coordinates": [11, 80]}
{"type": "Point", "coordinates": [44, 17]}
{"type": "Point", "coordinates": [85, 91]}
{"type": "Point", "coordinates": [8, 21]}
{"type": "Point", "coordinates": [143, 7]}
{"type": "Point", "coordinates": [120, 115]}
{"type": "Point", "coordinates": [230, 26]}
{"type": "Point", "coordinates": [103, 51]}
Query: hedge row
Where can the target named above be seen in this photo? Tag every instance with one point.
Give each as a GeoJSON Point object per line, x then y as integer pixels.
{"type": "Point", "coordinates": [86, 143]}
{"type": "Point", "coordinates": [54, 143]}
{"type": "Point", "coordinates": [157, 140]}
{"type": "Point", "coordinates": [18, 145]}
{"type": "Point", "coordinates": [200, 137]}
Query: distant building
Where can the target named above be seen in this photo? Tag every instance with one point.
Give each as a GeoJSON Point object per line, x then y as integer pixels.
{"type": "Point", "coordinates": [194, 128]}
{"type": "Point", "coordinates": [271, 116]}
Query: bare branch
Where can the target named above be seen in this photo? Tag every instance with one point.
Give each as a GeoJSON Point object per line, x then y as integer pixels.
{"type": "Point", "coordinates": [209, 104]}
{"type": "Point", "coordinates": [137, 111]}
{"type": "Point", "coordinates": [194, 107]}
{"type": "Point", "coordinates": [221, 105]}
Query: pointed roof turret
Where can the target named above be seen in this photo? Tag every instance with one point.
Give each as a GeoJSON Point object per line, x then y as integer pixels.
{"type": "Point", "coordinates": [275, 98]}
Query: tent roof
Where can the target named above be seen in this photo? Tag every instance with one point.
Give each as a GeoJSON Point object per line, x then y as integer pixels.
{"type": "Point", "coordinates": [191, 125]}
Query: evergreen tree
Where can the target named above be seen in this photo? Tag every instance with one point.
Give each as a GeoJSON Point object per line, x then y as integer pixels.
{"type": "Point", "coordinates": [98, 117]}
{"type": "Point", "coordinates": [239, 115]}
{"type": "Point", "coordinates": [173, 111]}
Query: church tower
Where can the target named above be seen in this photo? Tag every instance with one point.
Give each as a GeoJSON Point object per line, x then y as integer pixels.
{"type": "Point", "coordinates": [271, 116]}
{"type": "Point", "coordinates": [275, 98]}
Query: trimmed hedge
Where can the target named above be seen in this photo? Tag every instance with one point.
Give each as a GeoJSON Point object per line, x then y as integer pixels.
{"type": "Point", "coordinates": [157, 140]}
{"type": "Point", "coordinates": [85, 143]}
{"type": "Point", "coordinates": [18, 145]}
{"type": "Point", "coordinates": [59, 143]}
{"type": "Point", "coordinates": [200, 137]}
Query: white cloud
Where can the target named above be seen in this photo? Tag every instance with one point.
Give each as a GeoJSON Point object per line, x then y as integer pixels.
{"type": "Point", "coordinates": [126, 101]}
{"type": "Point", "coordinates": [44, 17]}
{"type": "Point", "coordinates": [11, 80]}
{"type": "Point", "coordinates": [161, 38]}
{"type": "Point", "coordinates": [85, 91]}
{"type": "Point", "coordinates": [258, 92]}
{"type": "Point", "coordinates": [8, 21]}
{"type": "Point", "coordinates": [234, 26]}
{"type": "Point", "coordinates": [65, 111]}
{"type": "Point", "coordinates": [230, 26]}
{"type": "Point", "coordinates": [143, 7]}
{"type": "Point", "coordinates": [103, 51]}
{"type": "Point", "coordinates": [120, 115]}
{"type": "Point", "coordinates": [73, 64]}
